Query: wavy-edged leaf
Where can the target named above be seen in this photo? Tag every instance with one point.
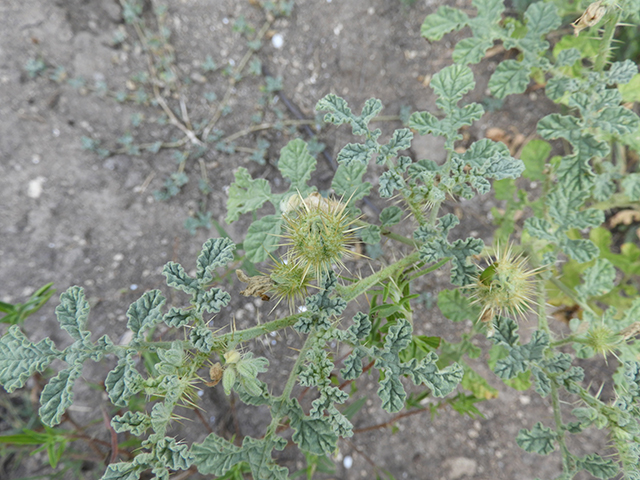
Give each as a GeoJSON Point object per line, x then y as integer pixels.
{"type": "Point", "coordinates": [179, 279]}
{"type": "Point", "coordinates": [575, 176]}
{"type": "Point", "coordinates": [392, 394]}
{"type": "Point", "coordinates": [566, 58]}
{"type": "Point", "coordinates": [135, 422]}
{"type": "Point", "coordinates": [598, 466]}
{"type": "Point", "coordinates": [122, 471]}
{"type": "Point", "coordinates": [617, 120]}
{"type": "Point", "coordinates": [214, 299]}
{"type": "Point", "coordinates": [541, 18]}
{"type": "Point", "coordinates": [57, 395]}
{"type": "Point", "coordinates": [339, 112]}
{"type": "Point", "coordinates": [73, 312]}
{"type": "Point", "coordinates": [353, 364]}
{"type": "Point", "coordinates": [456, 307]}
{"type": "Point", "coordinates": [355, 153]}
{"type": "Point", "coordinates": [425, 122]}
{"type": "Point", "coordinates": [621, 72]}
{"type": "Point", "coordinates": [445, 20]}
{"type": "Point", "coordinates": [246, 194]}
{"type": "Point", "coordinates": [471, 50]}
{"type": "Point", "coordinates": [390, 181]}
{"type": "Point", "coordinates": [348, 183]}
{"type": "Point", "coordinates": [145, 312]}
{"type": "Point", "coordinates": [631, 186]}
{"type": "Point", "coordinates": [216, 456]}
{"type": "Point", "coordinates": [534, 350]}
{"type": "Point", "coordinates": [543, 383]}
{"type": "Point", "coordinates": [400, 140]}
{"type": "Point", "coordinates": [173, 455]}
{"type": "Point", "coordinates": [390, 216]}
{"type": "Point", "coordinates": [450, 84]}
{"type": "Point", "coordinates": [508, 367]}
{"type": "Point", "coordinates": [296, 164]}
{"type": "Point", "coordinates": [441, 381]}
{"type": "Point", "coordinates": [361, 325]}
{"type": "Point", "coordinates": [313, 435]}
{"type": "Point", "coordinates": [462, 117]}
{"type": "Point", "coordinates": [505, 331]}
{"type": "Point", "coordinates": [580, 250]}
{"type": "Point", "coordinates": [540, 228]}
{"type": "Point", "coordinates": [176, 317]}
{"type": "Point", "coordinates": [539, 439]}
{"type": "Point", "coordinates": [597, 279]}
{"type": "Point", "coordinates": [216, 252]}
{"type": "Point", "coordinates": [263, 238]}
{"type": "Point", "coordinates": [201, 337]}
{"type": "Point", "coordinates": [510, 77]}
{"type": "Point", "coordinates": [123, 381]}
{"type": "Point", "coordinates": [20, 358]}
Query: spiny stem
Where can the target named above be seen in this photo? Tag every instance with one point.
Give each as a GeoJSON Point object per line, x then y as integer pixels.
{"type": "Point", "coordinates": [557, 415]}
{"type": "Point", "coordinates": [399, 238]}
{"type": "Point", "coordinates": [607, 37]}
{"type": "Point", "coordinates": [291, 382]}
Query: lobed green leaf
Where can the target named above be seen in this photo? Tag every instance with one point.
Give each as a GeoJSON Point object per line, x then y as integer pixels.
{"type": "Point", "coordinates": [445, 20]}
{"type": "Point", "coordinates": [179, 279]}
{"type": "Point", "coordinates": [145, 312]}
{"type": "Point", "coordinates": [263, 237]}
{"type": "Point", "coordinates": [471, 50]}
{"type": "Point", "coordinates": [539, 439]}
{"type": "Point", "coordinates": [216, 252]}
{"type": "Point", "coordinates": [390, 216]}
{"type": "Point", "coordinates": [347, 181]}
{"type": "Point", "coordinates": [450, 84]}
{"type": "Point", "coordinates": [20, 358]}
{"type": "Point", "coordinates": [598, 466]}
{"type": "Point", "coordinates": [510, 77]}
{"type": "Point", "coordinates": [598, 279]}
{"type": "Point", "coordinates": [541, 18]}
{"type": "Point", "coordinates": [246, 194]}
{"type": "Point", "coordinates": [73, 312]}
{"type": "Point", "coordinates": [57, 395]}
{"type": "Point", "coordinates": [123, 381]}
{"type": "Point", "coordinates": [122, 471]}
{"type": "Point", "coordinates": [296, 164]}
{"type": "Point", "coordinates": [621, 72]}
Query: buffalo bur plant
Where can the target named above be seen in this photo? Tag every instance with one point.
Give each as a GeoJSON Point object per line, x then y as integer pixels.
{"type": "Point", "coordinates": [560, 255]}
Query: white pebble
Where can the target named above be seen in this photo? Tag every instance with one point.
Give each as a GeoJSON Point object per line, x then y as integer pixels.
{"type": "Point", "coordinates": [277, 40]}
{"type": "Point", "coordinates": [34, 190]}
{"type": "Point", "coordinates": [347, 462]}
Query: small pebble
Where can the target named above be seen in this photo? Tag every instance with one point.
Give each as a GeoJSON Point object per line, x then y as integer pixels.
{"type": "Point", "coordinates": [277, 40]}
{"type": "Point", "coordinates": [347, 462]}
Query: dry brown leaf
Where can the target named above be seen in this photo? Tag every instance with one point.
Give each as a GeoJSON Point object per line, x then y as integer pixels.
{"type": "Point", "coordinates": [624, 217]}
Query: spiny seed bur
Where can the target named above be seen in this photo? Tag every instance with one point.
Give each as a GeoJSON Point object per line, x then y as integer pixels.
{"type": "Point", "coordinates": [318, 234]}
{"type": "Point", "coordinates": [505, 287]}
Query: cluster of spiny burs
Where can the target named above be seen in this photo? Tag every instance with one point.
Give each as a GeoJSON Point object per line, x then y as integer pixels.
{"type": "Point", "coordinates": [318, 234]}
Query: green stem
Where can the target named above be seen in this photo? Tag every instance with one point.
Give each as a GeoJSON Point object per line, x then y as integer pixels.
{"type": "Point", "coordinates": [358, 288]}
{"type": "Point", "coordinates": [607, 37]}
{"type": "Point", "coordinates": [557, 416]}
{"type": "Point", "coordinates": [291, 382]}
{"type": "Point", "coordinates": [399, 238]}
{"type": "Point", "coordinates": [430, 269]}
{"type": "Point", "coordinates": [571, 294]}
{"type": "Point", "coordinates": [542, 313]}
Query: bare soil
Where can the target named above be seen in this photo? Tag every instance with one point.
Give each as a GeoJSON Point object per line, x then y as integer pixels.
{"type": "Point", "coordinates": [73, 218]}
